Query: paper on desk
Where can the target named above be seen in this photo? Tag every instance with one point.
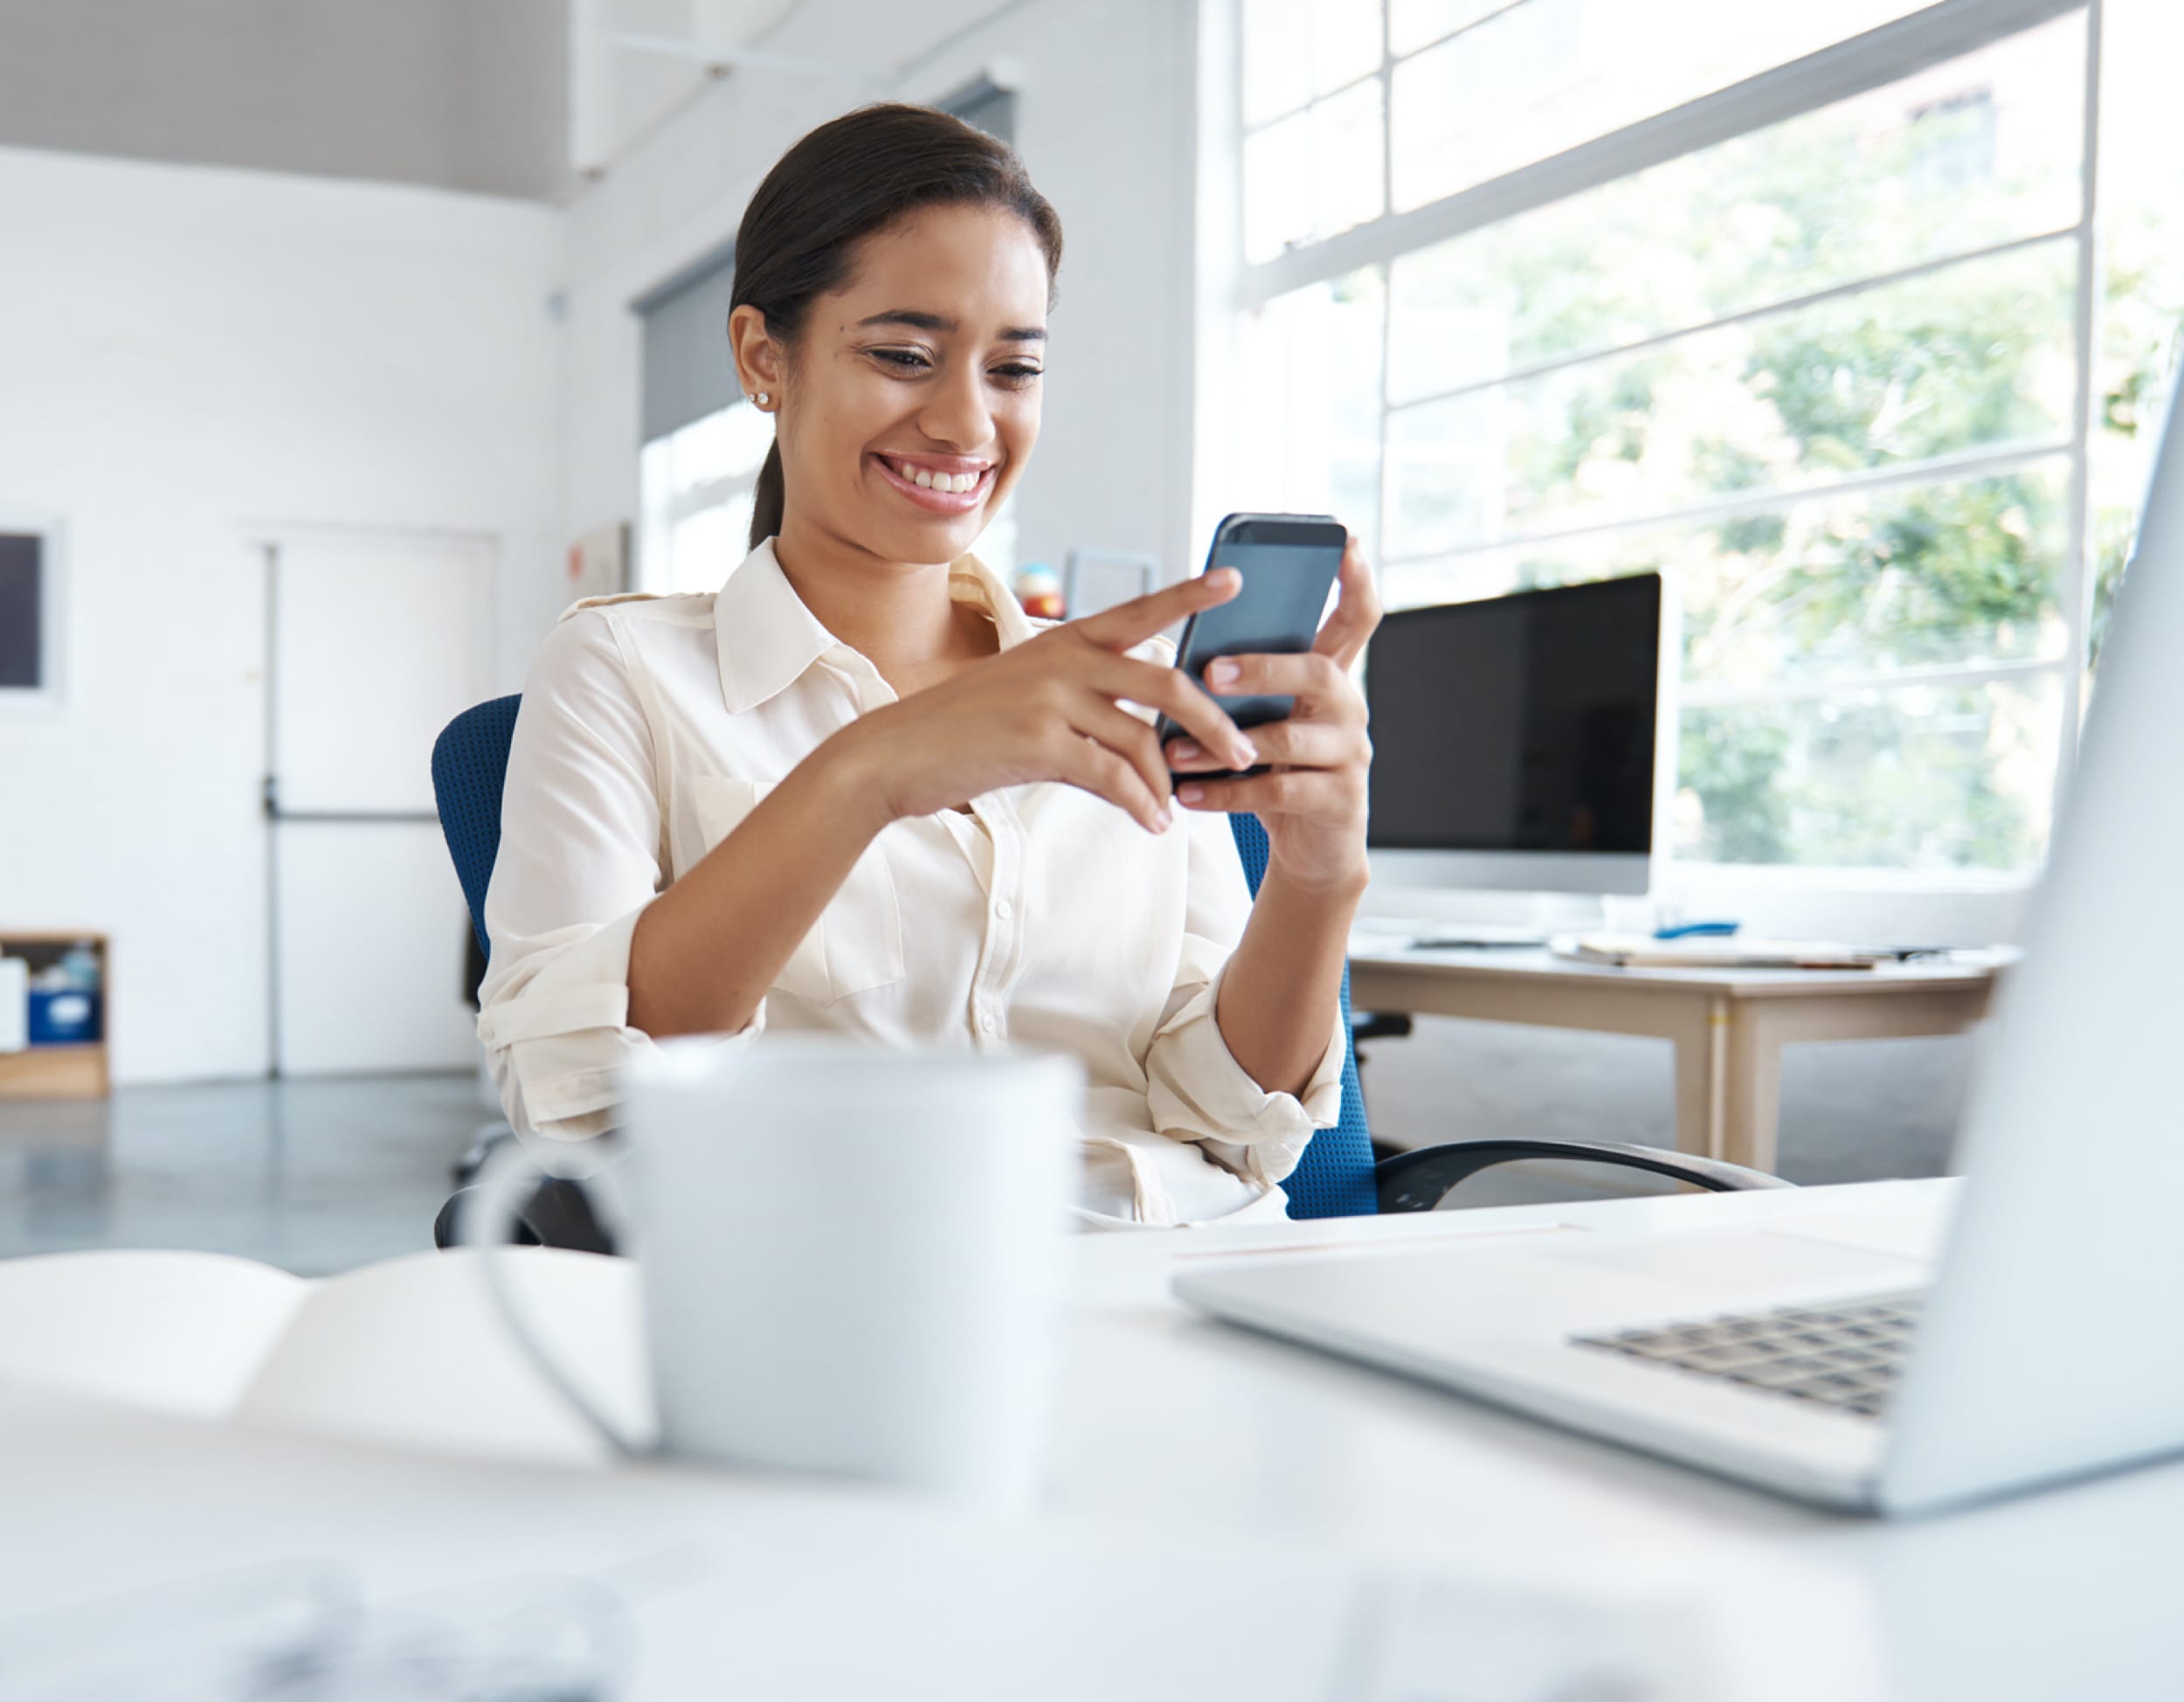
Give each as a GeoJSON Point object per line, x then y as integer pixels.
{"type": "Point", "coordinates": [1421, 1638]}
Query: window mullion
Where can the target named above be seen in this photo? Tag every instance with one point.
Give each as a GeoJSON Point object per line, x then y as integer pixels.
{"type": "Point", "coordinates": [2076, 579]}
{"type": "Point", "coordinates": [1883, 55]}
{"type": "Point", "coordinates": [1479, 21]}
{"type": "Point", "coordinates": [1743, 315]}
{"type": "Point", "coordinates": [1717, 694]}
{"type": "Point", "coordinates": [1380, 529]}
{"type": "Point", "coordinates": [1979, 464]}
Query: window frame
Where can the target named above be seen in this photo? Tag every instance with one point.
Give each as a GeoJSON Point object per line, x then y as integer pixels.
{"type": "Point", "coordinates": [1236, 287]}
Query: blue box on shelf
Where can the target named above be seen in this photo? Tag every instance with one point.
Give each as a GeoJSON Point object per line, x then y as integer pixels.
{"type": "Point", "coordinates": [63, 1016]}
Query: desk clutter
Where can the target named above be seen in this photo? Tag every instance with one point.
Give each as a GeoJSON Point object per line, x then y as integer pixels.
{"type": "Point", "coordinates": [54, 989]}
{"type": "Point", "coordinates": [1711, 951]}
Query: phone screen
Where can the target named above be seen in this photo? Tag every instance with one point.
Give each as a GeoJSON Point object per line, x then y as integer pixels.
{"type": "Point", "coordinates": [1277, 613]}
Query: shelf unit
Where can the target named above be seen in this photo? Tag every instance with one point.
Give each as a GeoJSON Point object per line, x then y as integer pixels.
{"type": "Point", "coordinates": [60, 1072]}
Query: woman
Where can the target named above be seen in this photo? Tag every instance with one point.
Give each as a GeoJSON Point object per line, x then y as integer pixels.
{"type": "Point", "coordinates": [857, 790]}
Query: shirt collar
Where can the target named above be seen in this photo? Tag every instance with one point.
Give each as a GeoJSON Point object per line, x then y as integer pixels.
{"type": "Point", "coordinates": [768, 639]}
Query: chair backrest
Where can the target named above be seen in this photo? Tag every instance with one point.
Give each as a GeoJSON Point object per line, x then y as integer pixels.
{"type": "Point", "coordinates": [470, 762]}
{"type": "Point", "coordinates": [1334, 1177]}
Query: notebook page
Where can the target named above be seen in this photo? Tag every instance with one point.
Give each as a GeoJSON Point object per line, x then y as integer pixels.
{"type": "Point", "coordinates": [180, 1331]}
{"type": "Point", "coordinates": [410, 1351]}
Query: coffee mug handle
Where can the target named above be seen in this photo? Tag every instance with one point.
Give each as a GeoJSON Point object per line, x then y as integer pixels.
{"type": "Point", "coordinates": [488, 1216]}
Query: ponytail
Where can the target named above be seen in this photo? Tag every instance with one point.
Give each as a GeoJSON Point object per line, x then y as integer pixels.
{"type": "Point", "coordinates": [852, 177]}
{"type": "Point", "coordinates": [765, 514]}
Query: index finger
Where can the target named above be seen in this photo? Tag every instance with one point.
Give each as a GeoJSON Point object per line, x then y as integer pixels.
{"type": "Point", "coordinates": [1132, 623]}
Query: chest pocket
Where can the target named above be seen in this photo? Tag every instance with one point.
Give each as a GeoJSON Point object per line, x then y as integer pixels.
{"type": "Point", "coordinates": [857, 943]}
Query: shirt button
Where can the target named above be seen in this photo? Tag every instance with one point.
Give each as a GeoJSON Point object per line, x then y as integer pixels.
{"type": "Point", "coordinates": [1001, 909]}
{"type": "Point", "coordinates": [988, 1022]}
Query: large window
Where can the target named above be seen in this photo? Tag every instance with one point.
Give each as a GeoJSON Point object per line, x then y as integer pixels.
{"type": "Point", "coordinates": [1849, 336]}
{"type": "Point", "coordinates": [698, 484]}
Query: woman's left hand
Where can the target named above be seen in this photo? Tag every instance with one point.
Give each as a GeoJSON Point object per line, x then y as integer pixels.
{"type": "Point", "coordinates": [1313, 802]}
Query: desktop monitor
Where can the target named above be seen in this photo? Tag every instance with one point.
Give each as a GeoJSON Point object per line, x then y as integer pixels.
{"type": "Point", "coordinates": [1514, 740]}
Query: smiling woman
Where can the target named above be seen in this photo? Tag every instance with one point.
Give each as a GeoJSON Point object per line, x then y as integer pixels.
{"type": "Point", "coordinates": [855, 789]}
{"type": "Point", "coordinates": [932, 393]}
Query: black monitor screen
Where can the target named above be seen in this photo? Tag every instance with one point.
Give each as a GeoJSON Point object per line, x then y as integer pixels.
{"type": "Point", "coordinates": [1517, 723]}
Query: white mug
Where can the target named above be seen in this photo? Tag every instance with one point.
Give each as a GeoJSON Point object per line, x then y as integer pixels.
{"type": "Point", "coordinates": [851, 1257]}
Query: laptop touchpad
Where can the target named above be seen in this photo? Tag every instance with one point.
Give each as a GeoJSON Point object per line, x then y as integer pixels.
{"type": "Point", "coordinates": [1737, 1263]}
{"type": "Point", "coordinates": [1909, 1231]}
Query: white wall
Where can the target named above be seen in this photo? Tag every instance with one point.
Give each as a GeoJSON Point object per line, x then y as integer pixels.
{"type": "Point", "coordinates": [1105, 120]}
{"type": "Point", "coordinates": [183, 348]}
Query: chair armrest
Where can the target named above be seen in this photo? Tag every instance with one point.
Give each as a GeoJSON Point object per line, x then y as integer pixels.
{"type": "Point", "coordinates": [1377, 1024]}
{"type": "Point", "coordinates": [1416, 1181]}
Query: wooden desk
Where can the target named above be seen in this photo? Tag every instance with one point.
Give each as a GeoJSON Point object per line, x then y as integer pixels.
{"type": "Point", "coordinates": [1729, 1026]}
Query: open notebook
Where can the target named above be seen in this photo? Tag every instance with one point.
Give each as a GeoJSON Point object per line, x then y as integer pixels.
{"type": "Point", "coordinates": [407, 1350]}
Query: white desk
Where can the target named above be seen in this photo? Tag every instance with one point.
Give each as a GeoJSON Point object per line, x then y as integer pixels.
{"type": "Point", "coordinates": [1177, 1438]}
{"type": "Point", "coordinates": [1729, 1026]}
{"type": "Point", "coordinates": [2071, 1593]}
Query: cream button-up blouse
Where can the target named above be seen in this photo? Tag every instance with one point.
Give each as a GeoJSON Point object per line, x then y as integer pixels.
{"type": "Point", "coordinates": [1045, 918]}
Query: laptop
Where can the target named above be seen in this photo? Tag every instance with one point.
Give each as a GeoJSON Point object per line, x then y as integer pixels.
{"type": "Point", "coordinates": [1863, 1357]}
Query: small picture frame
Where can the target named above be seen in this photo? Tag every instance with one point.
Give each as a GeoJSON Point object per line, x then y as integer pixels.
{"type": "Point", "coordinates": [31, 556]}
{"type": "Point", "coordinates": [599, 562]}
{"type": "Point", "coordinates": [1096, 579]}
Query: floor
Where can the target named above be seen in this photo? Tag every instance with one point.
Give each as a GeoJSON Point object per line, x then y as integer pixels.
{"type": "Point", "coordinates": [1852, 1112]}
{"type": "Point", "coordinates": [315, 1175]}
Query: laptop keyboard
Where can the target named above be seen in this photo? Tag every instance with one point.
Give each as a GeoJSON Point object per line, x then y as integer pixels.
{"type": "Point", "coordinates": [1843, 1357]}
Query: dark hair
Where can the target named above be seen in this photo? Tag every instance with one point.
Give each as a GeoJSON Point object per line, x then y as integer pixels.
{"type": "Point", "coordinates": [851, 177]}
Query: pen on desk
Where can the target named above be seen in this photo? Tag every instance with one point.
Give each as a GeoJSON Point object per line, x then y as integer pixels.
{"type": "Point", "coordinates": [1687, 929]}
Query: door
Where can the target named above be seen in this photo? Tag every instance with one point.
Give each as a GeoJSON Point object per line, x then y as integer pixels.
{"type": "Point", "coordinates": [375, 641]}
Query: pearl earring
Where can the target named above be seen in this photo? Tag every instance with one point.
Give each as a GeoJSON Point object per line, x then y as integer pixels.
{"type": "Point", "coordinates": [760, 397]}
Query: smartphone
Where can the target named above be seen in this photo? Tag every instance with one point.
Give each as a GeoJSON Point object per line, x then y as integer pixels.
{"type": "Point", "coordinates": [1288, 562]}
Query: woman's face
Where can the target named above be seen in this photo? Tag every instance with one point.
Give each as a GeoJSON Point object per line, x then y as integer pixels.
{"type": "Point", "coordinates": [913, 402]}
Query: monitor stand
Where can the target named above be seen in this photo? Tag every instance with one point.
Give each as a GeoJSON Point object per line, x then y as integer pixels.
{"type": "Point", "coordinates": [1542, 916]}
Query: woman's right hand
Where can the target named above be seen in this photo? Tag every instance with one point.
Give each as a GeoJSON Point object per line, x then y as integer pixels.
{"type": "Point", "coordinates": [1050, 709]}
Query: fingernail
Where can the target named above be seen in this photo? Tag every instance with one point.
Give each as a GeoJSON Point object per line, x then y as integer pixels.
{"type": "Point", "coordinates": [1184, 752]}
{"type": "Point", "coordinates": [1223, 672]}
{"type": "Point", "coordinates": [1221, 577]}
{"type": "Point", "coordinates": [1162, 820]}
{"type": "Point", "coordinates": [1243, 753]}
{"type": "Point", "coordinates": [1190, 794]}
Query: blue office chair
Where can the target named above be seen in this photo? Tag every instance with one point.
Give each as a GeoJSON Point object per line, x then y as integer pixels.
{"type": "Point", "coordinates": [470, 765]}
{"type": "Point", "coordinates": [1337, 1176]}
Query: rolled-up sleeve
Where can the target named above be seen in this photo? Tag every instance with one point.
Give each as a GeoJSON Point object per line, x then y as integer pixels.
{"type": "Point", "coordinates": [1196, 1089]}
{"type": "Point", "coordinates": [580, 857]}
